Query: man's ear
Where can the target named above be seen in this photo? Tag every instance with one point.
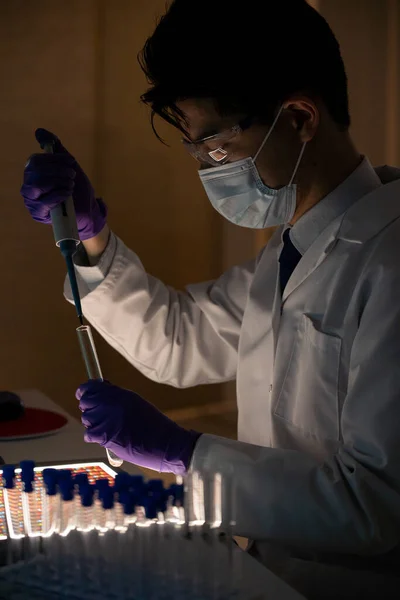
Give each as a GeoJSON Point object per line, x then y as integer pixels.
{"type": "Point", "coordinates": [305, 116]}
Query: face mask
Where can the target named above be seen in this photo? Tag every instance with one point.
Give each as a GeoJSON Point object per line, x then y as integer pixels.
{"type": "Point", "coordinates": [238, 193]}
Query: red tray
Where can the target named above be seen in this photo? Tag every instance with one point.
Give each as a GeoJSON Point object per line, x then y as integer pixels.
{"type": "Point", "coordinates": [35, 422]}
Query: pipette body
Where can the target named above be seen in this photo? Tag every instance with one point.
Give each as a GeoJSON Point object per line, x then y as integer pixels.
{"type": "Point", "coordinates": [66, 236]}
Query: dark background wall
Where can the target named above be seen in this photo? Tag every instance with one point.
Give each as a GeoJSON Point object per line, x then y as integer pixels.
{"type": "Point", "coordinates": [71, 67]}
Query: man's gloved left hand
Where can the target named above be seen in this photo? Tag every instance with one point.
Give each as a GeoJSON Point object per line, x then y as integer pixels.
{"type": "Point", "coordinates": [134, 429]}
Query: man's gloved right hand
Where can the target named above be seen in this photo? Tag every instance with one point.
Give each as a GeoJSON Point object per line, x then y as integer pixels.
{"type": "Point", "coordinates": [51, 178]}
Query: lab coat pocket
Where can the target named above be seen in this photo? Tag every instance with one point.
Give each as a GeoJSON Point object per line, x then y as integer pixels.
{"type": "Point", "coordinates": [309, 397]}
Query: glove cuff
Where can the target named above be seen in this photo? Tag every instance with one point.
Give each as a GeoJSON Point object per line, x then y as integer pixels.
{"type": "Point", "coordinates": [179, 452]}
{"type": "Point", "coordinates": [94, 222]}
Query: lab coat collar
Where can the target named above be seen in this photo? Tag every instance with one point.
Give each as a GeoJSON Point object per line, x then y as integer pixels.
{"type": "Point", "coordinates": [362, 221]}
{"type": "Point", "coordinates": [360, 182]}
{"type": "Point", "coordinates": [313, 257]}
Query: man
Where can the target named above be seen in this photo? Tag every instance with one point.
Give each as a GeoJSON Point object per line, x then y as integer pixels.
{"type": "Point", "coordinates": [309, 329]}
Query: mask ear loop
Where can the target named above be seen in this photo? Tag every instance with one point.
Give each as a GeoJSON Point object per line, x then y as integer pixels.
{"type": "Point", "coordinates": [268, 134]}
{"type": "Point", "coordinates": [298, 162]}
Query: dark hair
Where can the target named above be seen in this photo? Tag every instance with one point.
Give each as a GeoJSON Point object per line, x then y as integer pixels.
{"type": "Point", "coordinates": [247, 56]}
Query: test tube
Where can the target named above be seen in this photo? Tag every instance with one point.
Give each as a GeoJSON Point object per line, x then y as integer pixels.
{"type": "Point", "coordinates": [84, 516]}
{"type": "Point", "coordinates": [12, 499]}
{"type": "Point", "coordinates": [100, 486]}
{"type": "Point", "coordinates": [195, 503]}
{"type": "Point", "coordinates": [119, 517]}
{"type": "Point", "coordinates": [216, 501]}
{"type": "Point", "coordinates": [121, 485]}
{"type": "Point", "coordinates": [174, 509]}
{"type": "Point", "coordinates": [67, 508]}
{"type": "Point", "coordinates": [127, 500]}
{"type": "Point", "coordinates": [128, 562]}
{"type": "Point", "coordinates": [50, 502]}
{"type": "Point", "coordinates": [93, 370]}
{"type": "Point", "coordinates": [106, 512]}
{"type": "Point", "coordinates": [31, 501]}
{"type": "Point", "coordinates": [194, 498]}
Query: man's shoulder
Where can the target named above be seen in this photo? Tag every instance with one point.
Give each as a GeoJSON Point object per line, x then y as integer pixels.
{"type": "Point", "coordinates": [370, 216]}
{"type": "Point", "coordinates": [387, 173]}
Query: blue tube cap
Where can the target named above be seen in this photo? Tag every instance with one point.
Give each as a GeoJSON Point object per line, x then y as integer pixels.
{"type": "Point", "coordinates": [150, 507]}
{"type": "Point", "coordinates": [136, 483]}
{"type": "Point", "coordinates": [50, 475]}
{"type": "Point", "coordinates": [81, 479]}
{"type": "Point", "coordinates": [51, 488]}
{"type": "Point", "coordinates": [28, 487]}
{"type": "Point", "coordinates": [27, 473]}
{"type": "Point", "coordinates": [107, 498]}
{"type": "Point", "coordinates": [50, 479]}
{"type": "Point", "coordinates": [101, 485]}
{"type": "Point", "coordinates": [128, 500]}
{"type": "Point", "coordinates": [121, 481]}
{"type": "Point", "coordinates": [66, 490]}
{"type": "Point", "coordinates": [27, 470]}
{"type": "Point", "coordinates": [155, 485]}
{"type": "Point", "coordinates": [8, 476]}
{"type": "Point", "coordinates": [125, 496]}
{"type": "Point", "coordinates": [161, 504]}
{"type": "Point", "coordinates": [64, 475]}
{"type": "Point", "coordinates": [177, 492]}
{"type": "Point", "coordinates": [27, 465]}
{"type": "Point", "coordinates": [87, 493]}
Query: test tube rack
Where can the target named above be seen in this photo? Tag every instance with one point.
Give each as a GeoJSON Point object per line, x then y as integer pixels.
{"type": "Point", "coordinates": [134, 544]}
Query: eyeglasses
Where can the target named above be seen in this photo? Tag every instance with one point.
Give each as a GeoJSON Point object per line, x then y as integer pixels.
{"type": "Point", "coordinates": [210, 149]}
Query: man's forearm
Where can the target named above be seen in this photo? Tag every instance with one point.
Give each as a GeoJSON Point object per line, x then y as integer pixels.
{"type": "Point", "coordinates": [96, 245]}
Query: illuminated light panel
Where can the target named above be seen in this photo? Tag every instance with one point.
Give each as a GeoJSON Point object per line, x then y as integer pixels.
{"type": "Point", "coordinates": [94, 470]}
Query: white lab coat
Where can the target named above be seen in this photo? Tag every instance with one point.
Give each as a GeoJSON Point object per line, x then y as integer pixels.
{"type": "Point", "coordinates": [318, 375]}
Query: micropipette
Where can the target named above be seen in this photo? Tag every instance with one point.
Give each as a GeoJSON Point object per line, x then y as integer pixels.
{"type": "Point", "coordinates": [66, 235]}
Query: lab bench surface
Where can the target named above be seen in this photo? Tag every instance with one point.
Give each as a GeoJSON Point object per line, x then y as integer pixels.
{"type": "Point", "coordinates": [67, 445]}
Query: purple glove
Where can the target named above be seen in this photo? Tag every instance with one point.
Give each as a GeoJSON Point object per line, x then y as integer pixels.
{"type": "Point", "coordinates": [51, 178]}
{"type": "Point", "coordinates": [134, 429]}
